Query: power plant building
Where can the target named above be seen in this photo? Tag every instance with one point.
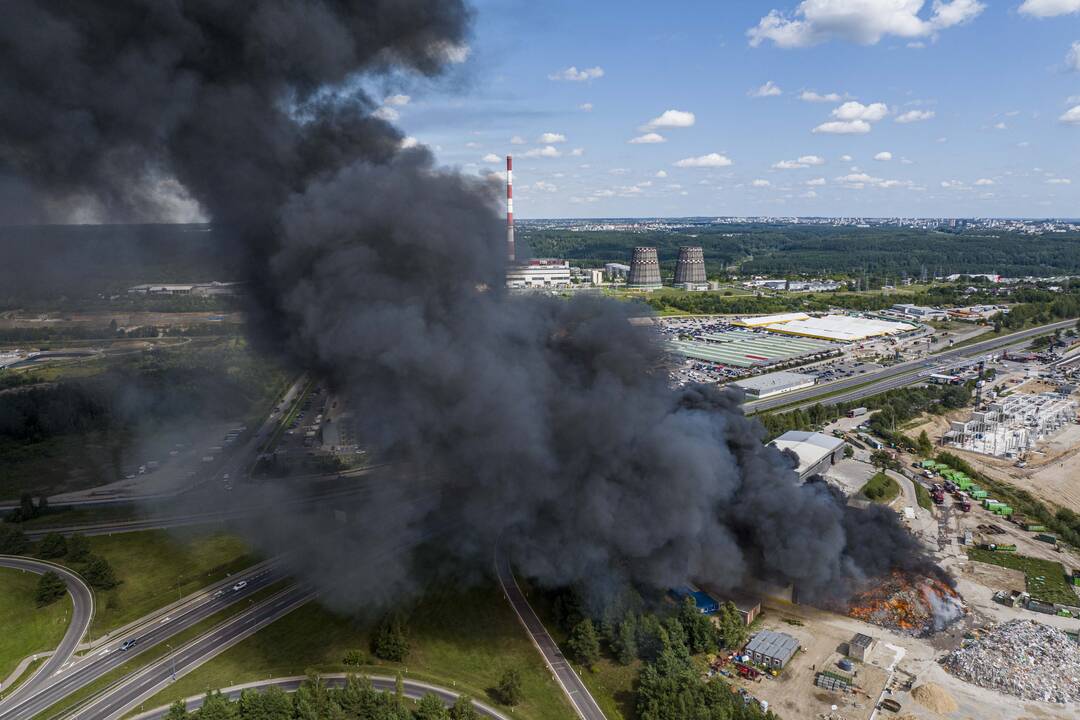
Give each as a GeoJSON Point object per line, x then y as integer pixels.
{"type": "Point", "coordinates": [690, 269]}
{"type": "Point", "coordinates": [617, 271]}
{"type": "Point", "coordinates": [539, 273]}
{"type": "Point", "coordinates": [644, 270]}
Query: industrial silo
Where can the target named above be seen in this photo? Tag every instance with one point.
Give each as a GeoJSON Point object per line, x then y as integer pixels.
{"type": "Point", "coordinates": [690, 268]}
{"type": "Point", "coordinates": [644, 269]}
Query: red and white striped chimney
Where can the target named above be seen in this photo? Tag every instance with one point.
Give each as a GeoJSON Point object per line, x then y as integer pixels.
{"type": "Point", "coordinates": [510, 207]}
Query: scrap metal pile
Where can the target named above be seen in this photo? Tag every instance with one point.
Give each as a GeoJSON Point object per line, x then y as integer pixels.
{"type": "Point", "coordinates": [910, 604]}
{"type": "Point", "coordinates": [1023, 658]}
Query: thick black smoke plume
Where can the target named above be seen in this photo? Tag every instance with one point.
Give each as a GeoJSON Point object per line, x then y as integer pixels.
{"type": "Point", "coordinates": [546, 419]}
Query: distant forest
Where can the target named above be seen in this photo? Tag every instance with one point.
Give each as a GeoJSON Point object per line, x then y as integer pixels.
{"type": "Point", "coordinates": [823, 251]}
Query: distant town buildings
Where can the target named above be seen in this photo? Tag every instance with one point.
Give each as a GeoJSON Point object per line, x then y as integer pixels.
{"type": "Point", "coordinates": [197, 289]}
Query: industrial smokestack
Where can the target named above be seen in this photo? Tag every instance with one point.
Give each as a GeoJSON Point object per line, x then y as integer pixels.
{"type": "Point", "coordinates": [644, 269]}
{"type": "Point", "coordinates": [690, 269]}
{"type": "Point", "coordinates": [510, 208]}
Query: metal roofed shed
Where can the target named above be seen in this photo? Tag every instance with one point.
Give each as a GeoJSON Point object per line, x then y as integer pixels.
{"type": "Point", "coordinates": [763, 320]}
{"type": "Point", "coordinates": [817, 452]}
{"type": "Point", "coordinates": [763, 386]}
{"type": "Point", "coordinates": [859, 646]}
{"type": "Point", "coordinates": [772, 649]}
{"type": "Point", "coordinates": [705, 603]}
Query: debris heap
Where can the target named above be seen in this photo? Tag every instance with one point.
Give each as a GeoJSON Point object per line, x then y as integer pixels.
{"type": "Point", "coordinates": [1023, 658]}
{"type": "Point", "coordinates": [907, 603]}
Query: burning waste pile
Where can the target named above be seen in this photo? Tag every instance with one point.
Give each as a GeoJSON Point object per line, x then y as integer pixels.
{"type": "Point", "coordinates": [908, 603]}
{"type": "Point", "coordinates": [1023, 658]}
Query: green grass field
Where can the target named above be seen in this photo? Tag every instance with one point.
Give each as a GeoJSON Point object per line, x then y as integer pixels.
{"type": "Point", "coordinates": [881, 488]}
{"type": "Point", "coordinates": [463, 640]}
{"type": "Point", "coordinates": [1045, 579]}
{"type": "Point", "coordinates": [27, 629]}
{"type": "Point", "coordinates": [156, 567]}
{"type": "Point", "coordinates": [923, 496]}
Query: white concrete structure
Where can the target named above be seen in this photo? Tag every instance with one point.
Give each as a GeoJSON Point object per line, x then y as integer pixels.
{"type": "Point", "coordinates": [763, 386]}
{"type": "Point", "coordinates": [1013, 425]}
{"type": "Point", "coordinates": [539, 273]}
{"type": "Point", "coordinates": [921, 312]}
{"type": "Point", "coordinates": [817, 452]}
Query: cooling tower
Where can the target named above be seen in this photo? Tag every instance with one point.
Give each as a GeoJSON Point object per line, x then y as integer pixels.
{"type": "Point", "coordinates": [644, 269]}
{"type": "Point", "coordinates": [690, 269]}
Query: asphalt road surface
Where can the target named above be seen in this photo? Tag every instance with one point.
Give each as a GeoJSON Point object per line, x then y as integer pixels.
{"type": "Point", "coordinates": [412, 689]}
{"type": "Point", "coordinates": [900, 375]}
{"type": "Point", "coordinates": [82, 612]}
{"type": "Point", "coordinates": [126, 695]}
{"type": "Point", "coordinates": [63, 680]}
{"type": "Point", "coordinates": [584, 704]}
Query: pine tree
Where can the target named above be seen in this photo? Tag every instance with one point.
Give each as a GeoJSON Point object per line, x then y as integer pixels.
{"type": "Point", "coordinates": [177, 711]}
{"type": "Point", "coordinates": [78, 548]}
{"type": "Point", "coordinates": [99, 573]}
{"type": "Point", "coordinates": [463, 709]}
{"type": "Point", "coordinates": [431, 707]}
{"type": "Point", "coordinates": [50, 588]}
{"type": "Point", "coordinates": [625, 646]}
{"type": "Point", "coordinates": [53, 545]}
{"type": "Point", "coordinates": [509, 690]}
{"type": "Point", "coordinates": [390, 641]}
{"type": "Point", "coordinates": [584, 643]}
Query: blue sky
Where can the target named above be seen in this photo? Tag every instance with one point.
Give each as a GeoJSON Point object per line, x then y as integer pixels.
{"type": "Point", "coordinates": [947, 108]}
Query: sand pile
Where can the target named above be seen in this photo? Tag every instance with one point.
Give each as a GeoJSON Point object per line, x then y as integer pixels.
{"type": "Point", "coordinates": [934, 697]}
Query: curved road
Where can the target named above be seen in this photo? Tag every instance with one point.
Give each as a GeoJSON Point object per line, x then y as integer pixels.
{"type": "Point", "coordinates": [414, 690]}
{"type": "Point", "coordinates": [82, 612]}
{"type": "Point", "coordinates": [580, 698]}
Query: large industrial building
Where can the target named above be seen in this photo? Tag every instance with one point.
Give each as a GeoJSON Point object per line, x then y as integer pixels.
{"type": "Point", "coordinates": [763, 386]}
{"type": "Point", "coordinates": [817, 452]}
{"type": "Point", "coordinates": [742, 349]}
{"type": "Point", "coordinates": [838, 328]}
{"type": "Point", "coordinates": [1012, 425]}
{"type": "Point", "coordinates": [644, 270]}
{"type": "Point", "coordinates": [539, 273]}
{"type": "Point", "coordinates": [198, 289]}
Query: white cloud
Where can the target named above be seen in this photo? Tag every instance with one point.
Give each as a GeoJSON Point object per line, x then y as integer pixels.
{"type": "Point", "coordinates": [914, 116]}
{"type": "Point", "coordinates": [816, 182]}
{"type": "Point", "coordinates": [769, 89]}
{"type": "Point", "coordinates": [645, 183]}
{"type": "Point", "coordinates": [811, 96]}
{"type": "Point", "coordinates": [388, 114]}
{"type": "Point", "coordinates": [572, 74]}
{"type": "Point", "coordinates": [712, 160]}
{"type": "Point", "coordinates": [859, 180]}
{"type": "Point", "coordinates": [542, 186]}
{"type": "Point", "coordinates": [577, 152]}
{"type": "Point", "coordinates": [491, 158]}
{"type": "Point", "coordinates": [409, 142]}
{"type": "Point", "coordinates": [472, 145]}
{"type": "Point", "coordinates": [1072, 58]}
{"type": "Point", "coordinates": [954, 185]}
{"type": "Point", "coordinates": [803, 162]}
{"type": "Point", "coordinates": [853, 110]}
{"type": "Point", "coordinates": [862, 21]}
{"type": "Point", "coordinates": [883, 156]}
{"type": "Point", "coordinates": [551, 137]}
{"type": "Point", "coordinates": [812, 160]}
{"type": "Point", "coordinates": [647, 139]}
{"type": "Point", "coordinates": [854, 127]}
{"type": "Point", "coordinates": [587, 107]}
{"type": "Point", "coordinates": [619, 171]}
{"type": "Point", "coordinates": [397, 100]}
{"type": "Point", "coordinates": [1049, 8]}
{"type": "Point", "coordinates": [670, 119]}
{"type": "Point", "coordinates": [517, 140]}
{"type": "Point", "coordinates": [1071, 116]}
{"type": "Point", "coordinates": [761, 183]}
{"type": "Point", "coordinates": [1001, 126]}
{"type": "Point", "coordinates": [548, 151]}
{"type": "Point", "coordinates": [845, 158]}
{"type": "Point", "coordinates": [810, 194]}
{"type": "Point", "coordinates": [1059, 181]}
{"type": "Point", "coordinates": [982, 182]}
{"type": "Point", "coordinates": [452, 53]}
{"type": "Point", "coordinates": [661, 173]}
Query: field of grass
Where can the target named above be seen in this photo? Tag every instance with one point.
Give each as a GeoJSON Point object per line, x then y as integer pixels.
{"type": "Point", "coordinates": [463, 640]}
{"type": "Point", "coordinates": [1045, 579]}
{"type": "Point", "coordinates": [60, 464]}
{"type": "Point", "coordinates": [922, 495]}
{"type": "Point", "coordinates": [881, 488]}
{"type": "Point", "coordinates": [156, 567]}
{"type": "Point", "coordinates": [27, 629]}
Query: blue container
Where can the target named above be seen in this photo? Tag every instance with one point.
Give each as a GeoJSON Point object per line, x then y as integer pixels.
{"type": "Point", "coordinates": [845, 665]}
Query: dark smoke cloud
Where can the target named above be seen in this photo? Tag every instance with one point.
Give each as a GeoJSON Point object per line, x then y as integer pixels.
{"type": "Point", "coordinates": [548, 420]}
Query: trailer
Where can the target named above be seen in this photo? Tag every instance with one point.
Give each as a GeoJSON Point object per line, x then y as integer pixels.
{"type": "Point", "coordinates": [856, 412]}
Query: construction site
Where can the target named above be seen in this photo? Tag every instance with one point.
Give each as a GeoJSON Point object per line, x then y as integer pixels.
{"type": "Point", "coordinates": [1011, 426]}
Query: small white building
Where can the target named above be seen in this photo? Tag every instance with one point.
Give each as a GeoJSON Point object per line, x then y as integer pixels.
{"type": "Point", "coordinates": [539, 273]}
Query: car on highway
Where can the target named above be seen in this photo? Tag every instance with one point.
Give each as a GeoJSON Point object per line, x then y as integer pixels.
{"type": "Point", "coordinates": [240, 585]}
{"type": "Point", "coordinates": [127, 644]}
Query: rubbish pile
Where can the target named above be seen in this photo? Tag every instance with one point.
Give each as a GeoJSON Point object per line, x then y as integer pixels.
{"type": "Point", "coordinates": [1023, 658]}
{"type": "Point", "coordinates": [908, 603]}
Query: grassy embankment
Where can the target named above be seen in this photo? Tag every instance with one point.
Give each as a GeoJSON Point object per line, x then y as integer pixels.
{"type": "Point", "coordinates": [922, 495]}
{"type": "Point", "coordinates": [1045, 579]}
{"type": "Point", "coordinates": [881, 488]}
{"type": "Point", "coordinates": [463, 640]}
{"type": "Point", "coordinates": [27, 629]}
{"type": "Point", "coordinates": [157, 567]}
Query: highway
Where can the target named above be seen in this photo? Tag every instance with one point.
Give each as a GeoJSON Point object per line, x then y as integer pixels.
{"type": "Point", "coordinates": [413, 690]}
{"type": "Point", "coordinates": [580, 698]}
{"type": "Point", "coordinates": [82, 613]}
{"type": "Point", "coordinates": [899, 375]}
{"type": "Point", "coordinates": [125, 695]}
{"type": "Point", "coordinates": [155, 628]}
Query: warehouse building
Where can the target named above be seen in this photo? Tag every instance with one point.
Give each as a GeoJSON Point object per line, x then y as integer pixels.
{"type": "Point", "coordinates": [860, 646]}
{"type": "Point", "coordinates": [763, 386]}
{"type": "Point", "coordinates": [817, 452]}
{"type": "Point", "coordinates": [765, 320]}
{"type": "Point", "coordinates": [539, 273]}
{"type": "Point", "coordinates": [920, 312]}
{"type": "Point", "coordinates": [772, 649]}
{"type": "Point", "coordinates": [840, 328]}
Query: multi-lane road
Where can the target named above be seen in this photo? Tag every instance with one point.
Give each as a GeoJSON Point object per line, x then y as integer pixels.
{"type": "Point", "coordinates": [582, 701]}
{"type": "Point", "coordinates": [69, 676]}
{"type": "Point", "coordinates": [81, 614]}
{"type": "Point", "coordinates": [899, 375]}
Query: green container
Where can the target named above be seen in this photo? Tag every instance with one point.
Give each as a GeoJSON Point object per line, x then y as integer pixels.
{"type": "Point", "coordinates": [928, 464]}
{"type": "Point", "coordinates": [963, 483]}
{"type": "Point", "coordinates": [1047, 538]}
{"type": "Point", "coordinates": [1035, 528]}
{"type": "Point", "coordinates": [1076, 579]}
{"type": "Point", "coordinates": [978, 494]}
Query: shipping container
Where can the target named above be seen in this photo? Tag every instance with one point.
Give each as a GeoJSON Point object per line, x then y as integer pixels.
{"type": "Point", "coordinates": [1035, 528]}
{"type": "Point", "coordinates": [1047, 538]}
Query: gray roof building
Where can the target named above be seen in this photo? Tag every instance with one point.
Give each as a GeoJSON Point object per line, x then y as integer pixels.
{"type": "Point", "coordinates": [816, 451]}
{"type": "Point", "coordinates": [773, 649]}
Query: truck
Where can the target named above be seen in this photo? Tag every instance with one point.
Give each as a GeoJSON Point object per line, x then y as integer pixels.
{"type": "Point", "coordinates": [1046, 538]}
{"type": "Point", "coordinates": [938, 496]}
{"type": "Point", "coordinates": [965, 505]}
{"type": "Point", "coordinates": [856, 412]}
{"type": "Point", "coordinates": [890, 705]}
